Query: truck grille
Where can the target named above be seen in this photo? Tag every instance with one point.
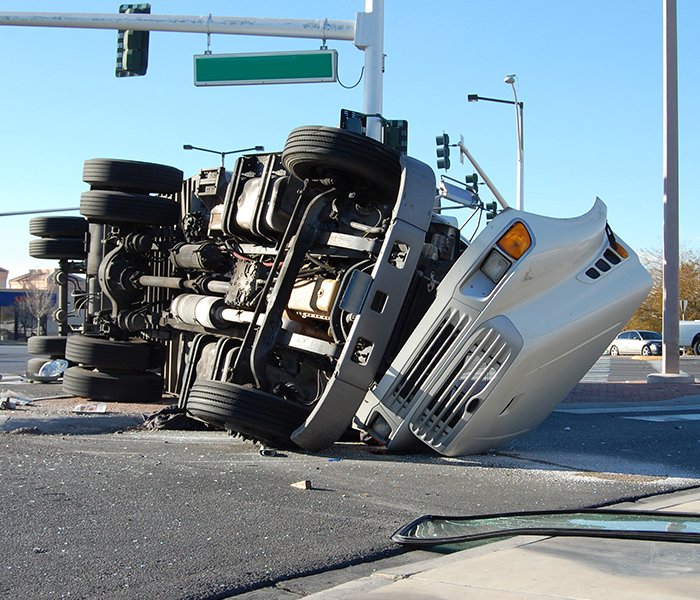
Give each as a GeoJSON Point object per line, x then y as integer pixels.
{"type": "Point", "coordinates": [456, 397]}
{"type": "Point", "coordinates": [440, 345]}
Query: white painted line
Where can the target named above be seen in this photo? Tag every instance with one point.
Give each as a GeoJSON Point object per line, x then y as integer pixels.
{"type": "Point", "coordinates": [667, 418]}
{"type": "Point", "coordinates": [626, 409]}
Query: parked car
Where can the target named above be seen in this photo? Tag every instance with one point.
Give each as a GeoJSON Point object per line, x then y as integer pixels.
{"type": "Point", "coordinates": [323, 287]}
{"type": "Point", "coordinates": [636, 341]}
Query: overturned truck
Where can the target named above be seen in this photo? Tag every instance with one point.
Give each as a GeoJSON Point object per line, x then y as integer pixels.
{"type": "Point", "coordinates": [322, 289]}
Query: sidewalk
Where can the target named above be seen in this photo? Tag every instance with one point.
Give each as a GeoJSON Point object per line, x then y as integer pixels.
{"type": "Point", "coordinates": [641, 391]}
{"type": "Point", "coordinates": [547, 568]}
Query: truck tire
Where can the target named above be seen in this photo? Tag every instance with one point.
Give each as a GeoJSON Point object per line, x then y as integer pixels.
{"type": "Point", "coordinates": [57, 248]}
{"type": "Point", "coordinates": [113, 386]}
{"type": "Point", "coordinates": [315, 152]}
{"type": "Point", "coordinates": [58, 227]}
{"type": "Point", "coordinates": [34, 364]}
{"type": "Point", "coordinates": [131, 176]}
{"type": "Point", "coordinates": [110, 207]}
{"type": "Point", "coordinates": [251, 412]}
{"type": "Point", "coordinates": [53, 346]}
{"type": "Point", "coordinates": [108, 354]}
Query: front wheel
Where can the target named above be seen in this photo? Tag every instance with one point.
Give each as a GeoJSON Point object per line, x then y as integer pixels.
{"type": "Point", "coordinates": [646, 351]}
{"type": "Point", "coordinates": [248, 411]}
{"type": "Point", "coordinates": [614, 351]}
{"type": "Point", "coordinates": [316, 152]}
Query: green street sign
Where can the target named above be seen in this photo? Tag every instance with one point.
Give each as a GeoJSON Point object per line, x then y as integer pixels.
{"type": "Point", "coordinates": [269, 67]}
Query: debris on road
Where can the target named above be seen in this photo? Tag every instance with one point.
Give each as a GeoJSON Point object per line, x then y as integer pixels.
{"type": "Point", "coordinates": [95, 407]}
{"type": "Point", "coordinates": [173, 417]}
{"type": "Point", "coordinates": [304, 484]}
{"type": "Point", "coordinates": [10, 400]}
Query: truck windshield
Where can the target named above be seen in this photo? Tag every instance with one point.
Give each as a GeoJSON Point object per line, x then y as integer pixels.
{"type": "Point", "coordinates": [433, 530]}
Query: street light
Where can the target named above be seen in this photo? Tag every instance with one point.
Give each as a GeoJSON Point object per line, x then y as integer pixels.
{"type": "Point", "coordinates": [510, 80]}
{"type": "Point", "coordinates": [223, 154]}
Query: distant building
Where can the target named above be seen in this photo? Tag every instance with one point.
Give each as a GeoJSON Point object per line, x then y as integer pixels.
{"type": "Point", "coordinates": [17, 321]}
{"type": "Point", "coordinates": [37, 279]}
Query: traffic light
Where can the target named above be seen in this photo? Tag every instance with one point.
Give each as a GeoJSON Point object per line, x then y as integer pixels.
{"type": "Point", "coordinates": [491, 210]}
{"type": "Point", "coordinates": [443, 151]}
{"type": "Point", "coordinates": [132, 46]}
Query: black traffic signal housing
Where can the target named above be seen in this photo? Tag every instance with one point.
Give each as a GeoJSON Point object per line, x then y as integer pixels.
{"type": "Point", "coordinates": [491, 209]}
{"type": "Point", "coordinates": [443, 151]}
{"type": "Point", "coordinates": [132, 46]}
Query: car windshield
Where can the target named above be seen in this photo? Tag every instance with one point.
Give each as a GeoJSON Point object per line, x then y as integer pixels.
{"type": "Point", "coordinates": [650, 335]}
{"type": "Point", "coordinates": [434, 530]}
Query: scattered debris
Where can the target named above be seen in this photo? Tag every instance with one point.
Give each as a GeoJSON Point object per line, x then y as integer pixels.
{"type": "Point", "coordinates": [173, 417]}
{"type": "Point", "coordinates": [95, 407]}
{"type": "Point", "coordinates": [53, 368]}
{"type": "Point", "coordinates": [271, 452]}
{"type": "Point", "coordinates": [10, 400]}
{"type": "Point", "coordinates": [304, 484]}
{"type": "Point", "coordinates": [26, 430]}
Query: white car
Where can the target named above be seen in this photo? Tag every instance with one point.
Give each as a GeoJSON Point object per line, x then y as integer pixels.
{"type": "Point", "coordinates": [635, 341]}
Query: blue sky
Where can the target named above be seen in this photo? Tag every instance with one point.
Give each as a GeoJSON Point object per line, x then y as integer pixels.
{"type": "Point", "coordinates": [589, 73]}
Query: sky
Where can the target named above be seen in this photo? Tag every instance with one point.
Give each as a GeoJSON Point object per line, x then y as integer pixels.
{"type": "Point", "coordinates": [588, 71]}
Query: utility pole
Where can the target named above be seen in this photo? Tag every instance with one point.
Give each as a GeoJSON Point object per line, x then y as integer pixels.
{"type": "Point", "coordinates": [670, 360]}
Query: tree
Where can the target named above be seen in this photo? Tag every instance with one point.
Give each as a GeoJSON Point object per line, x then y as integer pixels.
{"type": "Point", "coordinates": [649, 314]}
{"type": "Point", "coordinates": [23, 316]}
{"type": "Point", "coordinates": [36, 305]}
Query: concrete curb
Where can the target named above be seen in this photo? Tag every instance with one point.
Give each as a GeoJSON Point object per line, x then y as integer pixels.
{"type": "Point", "coordinates": [370, 586]}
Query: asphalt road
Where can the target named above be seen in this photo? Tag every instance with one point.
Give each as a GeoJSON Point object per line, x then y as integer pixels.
{"type": "Point", "coordinates": [13, 358]}
{"type": "Point", "coordinates": [146, 514]}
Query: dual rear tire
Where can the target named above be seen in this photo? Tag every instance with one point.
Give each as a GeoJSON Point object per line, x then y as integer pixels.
{"type": "Point", "coordinates": [111, 370]}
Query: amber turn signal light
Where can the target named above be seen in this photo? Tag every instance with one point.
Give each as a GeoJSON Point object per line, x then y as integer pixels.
{"type": "Point", "coordinates": [515, 241]}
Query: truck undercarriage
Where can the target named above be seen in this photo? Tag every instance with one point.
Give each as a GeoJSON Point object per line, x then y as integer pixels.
{"type": "Point", "coordinates": [322, 288]}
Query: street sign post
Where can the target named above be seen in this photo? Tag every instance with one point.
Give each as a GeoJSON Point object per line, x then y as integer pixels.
{"type": "Point", "coordinates": [269, 67]}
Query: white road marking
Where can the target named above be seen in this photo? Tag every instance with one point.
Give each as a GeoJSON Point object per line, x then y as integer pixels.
{"type": "Point", "coordinates": [605, 410]}
{"type": "Point", "coordinates": [667, 418]}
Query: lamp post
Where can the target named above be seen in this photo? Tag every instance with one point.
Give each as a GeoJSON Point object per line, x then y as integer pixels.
{"type": "Point", "coordinates": [510, 79]}
{"type": "Point", "coordinates": [223, 154]}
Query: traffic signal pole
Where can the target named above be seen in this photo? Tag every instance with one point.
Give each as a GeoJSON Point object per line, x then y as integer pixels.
{"type": "Point", "coordinates": [489, 184]}
{"type": "Point", "coordinates": [366, 32]}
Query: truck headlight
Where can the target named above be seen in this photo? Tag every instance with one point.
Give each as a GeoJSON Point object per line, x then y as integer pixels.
{"type": "Point", "coordinates": [495, 266]}
{"type": "Point", "coordinates": [514, 243]}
